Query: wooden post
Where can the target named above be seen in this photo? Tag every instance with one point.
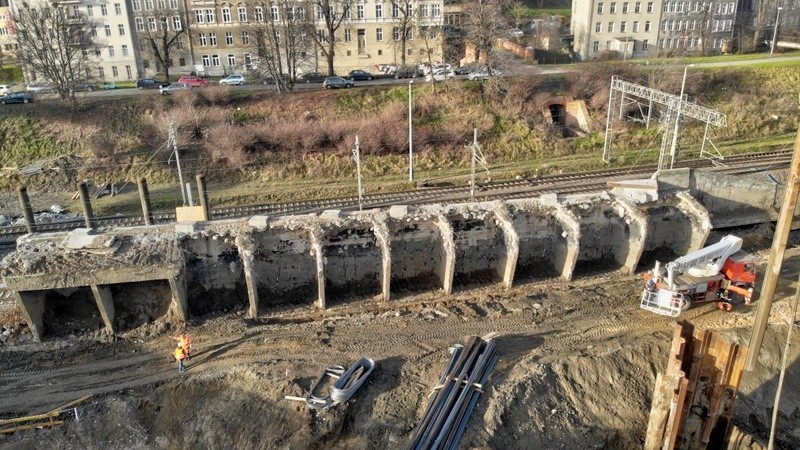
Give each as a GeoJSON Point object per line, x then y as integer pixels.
{"type": "Point", "coordinates": [203, 194]}
{"type": "Point", "coordinates": [144, 196]}
{"type": "Point", "coordinates": [88, 215]}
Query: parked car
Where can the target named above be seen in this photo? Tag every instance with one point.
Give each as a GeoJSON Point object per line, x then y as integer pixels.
{"type": "Point", "coordinates": [40, 87]}
{"type": "Point", "coordinates": [312, 77]}
{"type": "Point", "coordinates": [193, 81]}
{"type": "Point", "coordinates": [16, 97]}
{"type": "Point", "coordinates": [337, 82]}
{"type": "Point", "coordinates": [270, 79]}
{"type": "Point", "coordinates": [237, 80]}
{"type": "Point", "coordinates": [483, 74]}
{"type": "Point", "coordinates": [426, 69]}
{"type": "Point", "coordinates": [439, 75]}
{"type": "Point", "coordinates": [173, 88]}
{"type": "Point", "coordinates": [360, 75]}
{"type": "Point", "coordinates": [84, 86]}
{"type": "Point", "coordinates": [5, 89]}
{"type": "Point", "coordinates": [110, 85]}
{"type": "Point", "coordinates": [406, 72]}
{"type": "Point", "coordinates": [469, 68]}
{"type": "Point", "coordinates": [150, 83]}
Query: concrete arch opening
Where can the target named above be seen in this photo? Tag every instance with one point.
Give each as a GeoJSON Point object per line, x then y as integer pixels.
{"type": "Point", "coordinates": [70, 311]}
{"type": "Point", "coordinates": [353, 261]}
{"type": "Point", "coordinates": [480, 249]}
{"type": "Point", "coordinates": [669, 236]}
{"type": "Point", "coordinates": [136, 304]}
{"type": "Point", "coordinates": [542, 245]}
{"type": "Point", "coordinates": [417, 256]}
{"type": "Point", "coordinates": [284, 268]}
{"type": "Point", "coordinates": [214, 275]}
{"type": "Point", "coordinates": [605, 241]}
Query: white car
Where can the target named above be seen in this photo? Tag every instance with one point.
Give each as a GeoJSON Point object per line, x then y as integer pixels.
{"type": "Point", "coordinates": [5, 89]}
{"type": "Point", "coordinates": [40, 86]}
{"type": "Point", "coordinates": [172, 88]}
{"type": "Point", "coordinates": [237, 80]}
{"type": "Point", "coordinates": [440, 75]}
{"type": "Point", "coordinates": [481, 75]}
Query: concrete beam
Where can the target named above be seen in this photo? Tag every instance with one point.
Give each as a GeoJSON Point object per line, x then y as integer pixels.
{"type": "Point", "coordinates": [447, 268]}
{"type": "Point", "coordinates": [381, 230]}
{"type": "Point", "coordinates": [511, 239]}
{"type": "Point", "coordinates": [568, 257]}
{"type": "Point", "coordinates": [700, 218]}
{"type": "Point", "coordinates": [105, 304]}
{"type": "Point", "coordinates": [75, 278]}
{"type": "Point", "coordinates": [315, 234]}
{"type": "Point", "coordinates": [246, 246]}
{"type": "Point", "coordinates": [180, 303]}
{"type": "Point", "coordinates": [637, 226]}
{"type": "Point", "coordinates": [32, 305]}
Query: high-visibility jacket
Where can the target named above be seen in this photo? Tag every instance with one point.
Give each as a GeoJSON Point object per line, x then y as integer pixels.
{"type": "Point", "coordinates": [184, 342]}
{"type": "Point", "coordinates": [179, 354]}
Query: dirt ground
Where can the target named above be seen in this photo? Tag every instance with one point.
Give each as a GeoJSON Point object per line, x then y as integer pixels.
{"type": "Point", "coordinates": [577, 367]}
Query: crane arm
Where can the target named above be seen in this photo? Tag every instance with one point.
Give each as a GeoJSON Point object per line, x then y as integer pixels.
{"type": "Point", "coordinates": [715, 254]}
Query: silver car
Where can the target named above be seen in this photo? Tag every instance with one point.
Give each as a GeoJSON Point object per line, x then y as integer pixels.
{"type": "Point", "coordinates": [172, 88]}
{"type": "Point", "coordinates": [232, 79]}
{"type": "Point", "coordinates": [40, 86]}
{"type": "Point", "coordinates": [5, 89]}
{"type": "Point", "coordinates": [337, 82]}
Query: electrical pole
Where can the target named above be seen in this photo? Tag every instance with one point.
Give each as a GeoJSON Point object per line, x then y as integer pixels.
{"type": "Point", "coordinates": [174, 142]}
{"type": "Point", "coordinates": [674, 149]}
{"type": "Point", "coordinates": [357, 157]}
{"type": "Point", "coordinates": [775, 31]}
{"type": "Point", "coordinates": [410, 137]}
{"type": "Point", "coordinates": [474, 149]}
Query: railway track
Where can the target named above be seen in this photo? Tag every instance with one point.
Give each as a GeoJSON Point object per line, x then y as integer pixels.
{"type": "Point", "coordinates": [510, 189]}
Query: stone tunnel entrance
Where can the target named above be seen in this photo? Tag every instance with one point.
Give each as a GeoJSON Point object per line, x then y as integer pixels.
{"type": "Point", "coordinates": [542, 247]}
{"type": "Point", "coordinates": [70, 311]}
{"type": "Point", "coordinates": [214, 275]}
{"type": "Point", "coordinates": [480, 249]}
{"type": "Point", "coordinates": [417, 254]}
{"type": "Point", "coordinates": [284, 268]}
{"type": "Point", "coordinates": [352, 264]}
{"type": "Point", "coordinates": [136, 304]}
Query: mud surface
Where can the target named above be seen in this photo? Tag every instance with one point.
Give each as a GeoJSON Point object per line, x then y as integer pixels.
{"type": "Point", "coordinates": [577, 370]}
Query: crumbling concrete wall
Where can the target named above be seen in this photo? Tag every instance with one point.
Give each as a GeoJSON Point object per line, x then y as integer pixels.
{"type": "Point", "coordinates": [417, 251]}
{"type": "Point", "coordinates": [284, 266]}
{"type": "Point", "coordinates": [547, 240]}
{"type": "Point", "coordinates": [135, 304]}
{"type": "Point", "coordinates": [677, 225]}
{"type": "Point", "coordinates": [479, 245]}
{"type": "Point", "coordinates": [352, 259]}
{"type": "Point", "coordinates": [215, 279]}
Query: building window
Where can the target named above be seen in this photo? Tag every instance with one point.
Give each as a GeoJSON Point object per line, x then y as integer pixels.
{"type": "Point", "coordinates": [359, 12]}
{"type": "Point", "coordinates": [245, 38]}
{"type": "Point", "coordinates": [242, 14]}
{"type": "Point", "coordinates": [215, 60]}
{"type": "Point", "coordinates": [151, 23]}
{"type": "Point", "coordinates": [436, 10]}
{"type": "Point", "coordinates": [121, 28]}
{"type": "Point", "coordinates": [645, 44]}
{"type": "Point", "coordinates": [409, 34]}
{"type": "Point", "coordinates": [89, 10]}
{"type": "Point", "coordinates": [395, 10]}
{"type": "Point", "coordinates": [201, 37]}
{"type": "Point", "coordinates": [600, 8]}
{"type": "Point", "coordinates": [347, 35]}
{"type": "Point", "coordinates": [228, 38]}
{"type": "Point", "coordinates": [598, 27]}
{"type": "Point", "coordinates": [111, 51]}
{"type": "Point", "coordinates": [649, 7]}
{"type": "Point", "coordinates": [212, 39]}
{"type": "Point", "coordinates": [128, 72]}
{"type": "Point", "coordinates": [247, 60]}
{"type": "Point", "coordinates": [231, 60]}
{"type": "Point", "coordinates": [610, 27]}
{"type": "Point", "coordinates": [161, 4]}
{"type": "Point", "coordinates": [647, 26]}
{"type": "Point", "coordinates": [179, 44]}
{"type": "Point", "coordinates": [423, 10]}
{"type": "Point", "coordinates": [635, 26]}
{"type": "Point", "coordinates": [101, 73]}
{"type": "Point", "coordinates": [103, 10]}
{"type": "Point", "coordinates": [259, 13]}
{"type": "Point", "coordinates": [613, 8]}
{"type": "Point", "coordinates": [277, 37]}
{"type": "Point", "coordinates": [108, 29]}
{"type": "Point", "coordinates": [226, 15]}
{"type": "Point", "coordinates": [124, 50]}
{"type": "Point", "coordinates": [136, 5]}
{"type": "Point", "coordinates": [117, 9]}
{"type": "Point", "coordinates": [210, 16]}
{"type": "Point", "coordinates": [206, 60]}
{"type": "Point", "coordinates": [114, 71]}
{"type": "Point", "coordinates": [625, 8]}
{"type": "Point", "coordinates": [637, 7]}
{"type": "Point", "coordinates": [379, 34]}
{"type": "Point", "coordinates": [176, 23]}
{"type": "Point", "coordinates": [274, 13]}
{"type": "Point", "coordinates": [395, 34]}
{"type": "Point", "coordinates": [379, 11]}
{"type": "Point", "coordinates": [139, 23]}
{"type": "Point", "coordinates": [148, 4]}
{"type": "Point", "coordinates": [181, 62]}
{"type": "Point", "coordinates": [198, 16]}
{"type": "Point", "coordinates": [173, 4]}
{"type": "Point", "coordinates": [596, 46]}
{"type": "Point", "coordinates": [623, 26]}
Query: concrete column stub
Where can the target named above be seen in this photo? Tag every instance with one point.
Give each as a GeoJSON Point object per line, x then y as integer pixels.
{"type": "Point", "coordinates": [246, 246]}
{"type": "Point", "coordinates": [565, 261]}
{"type": "Point", "coordinates": [32, 305]}
{"type": "Point", "coordinates": [637, 224]}
{"type": "Point", "coordinates": [700, 218]}
{"type": "Point", "coordinates": [511, 238]}
{"type": "Point", "coordinates": [315, 236]}
{"type": "Point", "coordinates": [448, 268]}
{"type": "Point", "coordinates": [381, 230]}
{"type": "Point", "coordinates": [105, 304]}
{"type": "Point", "coordinates": [180, 303]}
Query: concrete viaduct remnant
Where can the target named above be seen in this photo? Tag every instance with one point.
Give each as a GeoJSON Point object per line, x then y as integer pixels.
{"type": "Point", "coordinates": [70, 282]}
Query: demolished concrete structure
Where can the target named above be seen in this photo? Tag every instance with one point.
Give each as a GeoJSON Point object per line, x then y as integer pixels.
{"type": "Point", "coordinates": [125, 277]}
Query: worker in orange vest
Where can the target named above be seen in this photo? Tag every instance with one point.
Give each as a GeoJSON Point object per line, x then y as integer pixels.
{"type": "Point", "coordinates": [184, 342]}
{"type": "Point", "coordinates": [180, 356]}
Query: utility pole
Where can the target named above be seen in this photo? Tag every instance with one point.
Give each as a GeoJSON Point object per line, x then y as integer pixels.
{"type": "Point", "coordinates": [775, 31]}
{"type": "Point", "coordinates": [357, 157]}
{"type": "Point", "coordinates": [410, 137]}
{"type": "Point", "coordinates": [674, 149]}
{"type": "Point", "coordinates": [174, 143]}
{"type": "Point", "coordinates": [474, 149]}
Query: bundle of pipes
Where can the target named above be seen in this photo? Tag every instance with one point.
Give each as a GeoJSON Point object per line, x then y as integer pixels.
{"type": "Point", "coordinates": [454, 398]}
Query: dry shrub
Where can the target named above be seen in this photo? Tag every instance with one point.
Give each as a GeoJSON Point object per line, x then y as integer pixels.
{"type": "Point", "coordinates": [229, 143]}
{"type": "Point", "coordinates": [102, 144]}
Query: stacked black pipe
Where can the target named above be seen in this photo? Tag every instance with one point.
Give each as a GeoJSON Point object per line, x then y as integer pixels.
{"type": "Point", "coordinates": [454, 399]}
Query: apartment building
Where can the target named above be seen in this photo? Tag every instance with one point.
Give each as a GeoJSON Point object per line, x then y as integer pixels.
{"type": "Point", "coordinates": [8, 44]}
{"type": "Point", "coordinates": [155, 22]}
{"type": "Point", "coordinates": [627, 27]}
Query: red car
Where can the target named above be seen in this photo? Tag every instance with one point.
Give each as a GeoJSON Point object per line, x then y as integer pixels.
{"type": "Point", "coordinates": [193, 81]}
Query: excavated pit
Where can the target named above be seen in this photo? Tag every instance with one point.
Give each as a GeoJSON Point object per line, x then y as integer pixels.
{"type": "Point", "coordinates": [215, 280]}
{"type": "Point", "coordinates": [136, 304]}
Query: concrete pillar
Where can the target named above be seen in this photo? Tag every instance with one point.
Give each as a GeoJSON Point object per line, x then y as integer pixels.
{"type": "Point", "coordinates": [105, 304]}
{"type": "Point", "coordinates": [315, 236]}
{"type": "Point", "coordinates": [202, 192]}
{"type": "Point", "coordinates": [86, 203]}
{"type": "Point", "coordinates": [447, 269]}
{"type": "Point", "coordinates": [381, 230]}
{"type": "Point", "coordinates": [566, 257]}
{"type": "Point", "coordinates": [32, 305]}
{"type": "Point", "coordinates": [700, 218]}
{"type": "Point", "coordinates": [27, 210]}
{"type": "Point", "coordinates": [144, 197]}
{"type": "Point", "coordinates": [637, 224]}
{"type": "Point", "coordinates": [180, 303]}
{"type": "Point", "coordinates": [246, 246]}
{"type": "Point", "coordinates": [511, 238]}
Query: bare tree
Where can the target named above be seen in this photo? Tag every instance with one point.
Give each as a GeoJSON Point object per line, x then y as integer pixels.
{"type": "Point", "coordinates": [53, 43]}
{"type": "Point", "coordinates": [765, 13]}
{"type": "Point", "coordinates": [331, 13]}
{"type": "Point", "coordinates": [161, 36]}
{"type": "Point", "coordinates": [404, 13]}
{"type": "Point", "coordinates": [283, 42]}
{"type": "Point", "coordinates": [484, 23]}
